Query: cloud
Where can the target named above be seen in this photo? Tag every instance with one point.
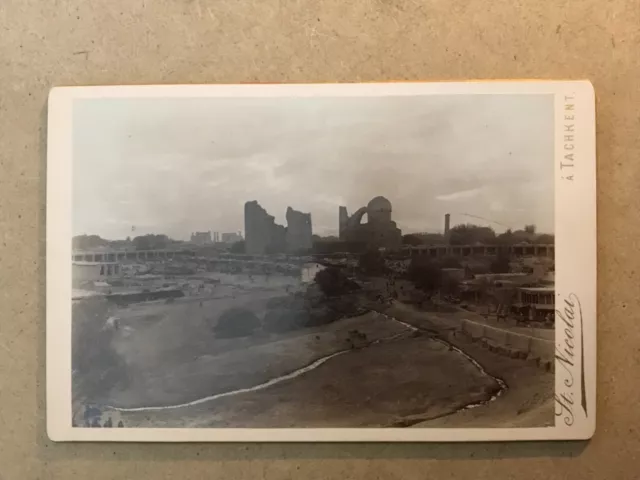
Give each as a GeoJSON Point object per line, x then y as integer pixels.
{"type": "Point", "coordinates": [180, 165]}
{"type": "Point", "coordinates": [463, 195]}
{"type": "Point", "coordinates": [497, 206]}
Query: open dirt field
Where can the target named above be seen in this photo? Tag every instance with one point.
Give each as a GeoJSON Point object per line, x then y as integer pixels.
{"type": "Point", "coordinates": [526, 402]}
{"type": "Point", "coordinates": [396, 370]}
{"type": "Point", "coordinates": [393, 383]}
{"type": "Point", "coordinates": [179, 371]}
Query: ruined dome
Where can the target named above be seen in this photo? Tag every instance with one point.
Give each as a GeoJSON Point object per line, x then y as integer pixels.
{"type": "Point", "coordinates": [379, 210]}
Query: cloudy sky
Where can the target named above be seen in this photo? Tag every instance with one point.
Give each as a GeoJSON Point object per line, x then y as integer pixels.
{"type": "Point", "coordinates": [175, 166]}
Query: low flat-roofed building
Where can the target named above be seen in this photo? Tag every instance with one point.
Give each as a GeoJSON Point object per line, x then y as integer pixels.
{"type": "Point", "coordinates": [231, 237]}
{"type": "Point", "coordinates": [535, 303]}
{"type": "Point", "coordinates": [95, 271]}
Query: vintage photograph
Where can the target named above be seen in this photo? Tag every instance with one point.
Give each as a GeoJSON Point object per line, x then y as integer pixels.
{"type": "Point", "coordinates": [293, 262]}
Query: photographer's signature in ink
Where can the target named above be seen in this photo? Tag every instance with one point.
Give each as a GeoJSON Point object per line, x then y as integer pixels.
{"type": "Point", "coordinates": [569, 356]}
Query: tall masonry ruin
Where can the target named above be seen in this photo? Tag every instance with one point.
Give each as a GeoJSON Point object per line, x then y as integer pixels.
{"type": "Point", "coordinates": [263, 235]}
{"type": "Point", "coordinates": [378, 232]}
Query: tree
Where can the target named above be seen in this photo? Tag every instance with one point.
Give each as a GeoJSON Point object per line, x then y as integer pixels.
{"type": "Point", "coordinates": [530, 229]}
{"type": "Point", "coordinates": [236, 322]}
{"type": "Point", "coordinates": [469, 234]}
{"type": "Point", "coordinates": [151, 242]}
{"type": "Point", "coordinates": [504, 297]}
{"type": "Point", "coordinates": [450, 285]}
{"type": "Point", "coordinates": [432, 238]}
{"type": "Point", "coordinates": [411, 239]}
{"type": "Point", "coordinates": [505, 238]}
{"type": "Point", "coordinates": [515, 237]}
{"type": "Point", "coordinates": [425, 274]}
{"type": "Point", "coordinates": [500, 264]}
{"type": "Point", "coordinates": [450, 262]}
{"type": "Point", "coordinates": [545, 238]}
{"type": "Point", "coordinates": [522, 236]}
{"type": "Point", "coordinates": [333, 282]}
{"type": "Point", "coordinates": [238, 247]}
{"type": "Point", "coordinates": [97, 365]}
{"type": "Point", "coordinates": [88, 242]}
{"type": "Point", "coordinates": [285, 319]}
{"type": "Point", "coordinates": [372, 263]}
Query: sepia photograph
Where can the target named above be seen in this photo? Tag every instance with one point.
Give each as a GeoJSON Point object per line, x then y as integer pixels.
{"type": "Point", "coordinates": [313, 261]}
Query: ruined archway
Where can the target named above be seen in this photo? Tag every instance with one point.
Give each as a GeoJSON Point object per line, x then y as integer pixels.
{"type": "Point", "coordinates": [379, 231]}
{"type": "Point", "coordinates": [356, 218]}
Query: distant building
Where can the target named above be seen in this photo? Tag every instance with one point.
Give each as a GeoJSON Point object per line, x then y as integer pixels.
{"type": "Point", "coordinates": [447, 228]}
{"type": "Point", "coordinates": [458, 274]}
{"type": "Point", "coordinates": [232, 237]}
{"type": "Point", "coordinates": [263, 235]}
{"type": "Point", "coordinates": [379, 231]}
{"type": "Point", "coordinates": [95, 271]}
{"type": "Point", "coordinates": [201, 238]}
{"type": "Point", "coordinates": [535, 303]}
{"type": "Point", "coordinates": [298, 231]}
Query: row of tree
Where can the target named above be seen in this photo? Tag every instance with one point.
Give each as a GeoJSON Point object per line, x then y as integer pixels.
{"type": "Point", "coordinates": [470, 234]}
{"type": "Point", "coordinates": [428, 273]}
{"type": "Point", "coordinates": [142, 242]}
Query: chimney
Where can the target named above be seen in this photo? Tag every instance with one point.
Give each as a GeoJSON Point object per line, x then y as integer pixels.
{"type": "Point", "coordinates": [447, 226]}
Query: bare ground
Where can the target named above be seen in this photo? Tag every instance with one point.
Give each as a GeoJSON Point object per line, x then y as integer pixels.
{"type": "Point", "coordinates": [528, 400]}
{"type": "Point", "coordinates": [381, 385]}
{"type": "Point", "coordinates": [173, 359]}
{"type": "Point", "coordinates": [184, 376]}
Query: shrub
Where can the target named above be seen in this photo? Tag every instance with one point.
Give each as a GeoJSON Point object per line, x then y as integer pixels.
{"type": "Point", "coordinates": [450, 262]}
{"type": "Point", "coordinates": [425, 274]}
{"type": "Point", "coordinates": [372, 263]}
{"type": "Point", "coordinates": [278, 302]}
{"type": "Point", "coordinates": [450, 285]}
{"type": "Point", "coordinates": [238, 247]}
{"type": "Point", "coordinates": [500, 264]}
{"type": "Point", "coordinates": [321, 315]}
{"type": "Point", "coordinates": [333, 281]}
{"type": "Point", "coordinates": [236, 322]}
{"type": "Point", "coordinates": [284, 320]}
{"type": "Point", "coordinates": [97, 366]}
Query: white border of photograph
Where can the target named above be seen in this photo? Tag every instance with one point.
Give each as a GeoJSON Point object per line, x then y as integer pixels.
{"type": "Point", "coordinates": [575, 264]}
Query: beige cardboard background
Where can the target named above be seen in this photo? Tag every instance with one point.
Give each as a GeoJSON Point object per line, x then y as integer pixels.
{"type": "Point", "coordinates": [48, 43]}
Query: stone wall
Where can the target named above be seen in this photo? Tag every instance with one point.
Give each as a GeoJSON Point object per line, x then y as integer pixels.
{"type": "Point", "coordinates": [298, 235]}
{"type": "Point", "coordinates": [343, 222]}
{"type": "Point", "coordinates": [263, 235]}
{"type": "Point", "coordinates": [511, 344]}
{"type": "Point", "coordinates": [379, 231]}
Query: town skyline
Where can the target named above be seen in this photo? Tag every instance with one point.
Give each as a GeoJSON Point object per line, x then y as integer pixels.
{"type": "Point", "coordinates": [178, 166]}
{"type": "Point", "coordinates": [330, 234]}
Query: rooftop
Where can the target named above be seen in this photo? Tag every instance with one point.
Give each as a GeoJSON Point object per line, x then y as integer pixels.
{"type": "Point", "coordinates": [88, 264]}
{"type": "Point", "coordinates": [538, 289]}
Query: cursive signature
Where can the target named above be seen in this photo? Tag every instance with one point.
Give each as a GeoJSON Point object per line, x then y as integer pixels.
{"type": "Point", "coordinates": [568, 317]}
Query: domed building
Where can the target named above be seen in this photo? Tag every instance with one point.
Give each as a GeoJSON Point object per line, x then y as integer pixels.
{"type": "Point", "coordinates": [379, 210]}
{"type": "Point", "coordinates": [379, 231]}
